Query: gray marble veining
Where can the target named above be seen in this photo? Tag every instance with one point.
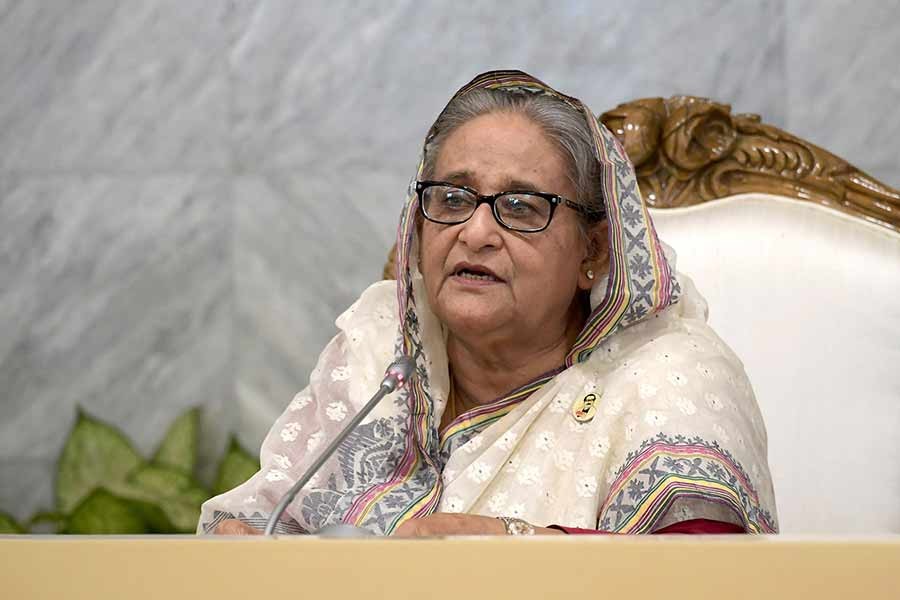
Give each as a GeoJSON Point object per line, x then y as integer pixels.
{"type": "Point", "coordinates": [26, 486]}
{"type": "Point", "coordinates": [108, 85]}
{"type": "Point", "coordinates": [339, 85]}
{"type": "Point", "coordinates": [306, 245]}
{"type": "Point", "coordinates": [116, 298]}
{"type": "Point", "coordinates": [843, 64]}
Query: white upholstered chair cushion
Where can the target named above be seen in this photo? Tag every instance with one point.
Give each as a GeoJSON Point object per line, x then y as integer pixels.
{"type": "Point", "coordinates": [809, 298]}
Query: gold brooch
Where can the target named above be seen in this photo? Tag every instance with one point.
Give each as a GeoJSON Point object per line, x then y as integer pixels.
{"type": "Point", "coordinates": [585, 409]}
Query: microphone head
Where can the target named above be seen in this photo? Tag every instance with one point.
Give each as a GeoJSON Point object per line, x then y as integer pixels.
{"type": "Point", "coordinates": [398, 373]}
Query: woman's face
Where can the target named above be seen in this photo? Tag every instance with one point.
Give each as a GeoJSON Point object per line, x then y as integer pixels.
{"type": "Point", "coordinates": [533, 277]}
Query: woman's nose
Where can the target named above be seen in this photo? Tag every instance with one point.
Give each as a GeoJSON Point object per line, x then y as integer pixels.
{"type": "Point", "coordinates": [481, 230]}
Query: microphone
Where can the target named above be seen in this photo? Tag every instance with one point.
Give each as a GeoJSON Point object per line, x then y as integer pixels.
{"type": "Point", "coordinates": [395, 376]}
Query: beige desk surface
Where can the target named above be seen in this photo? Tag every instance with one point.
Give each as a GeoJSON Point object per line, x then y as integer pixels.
{"type": "Point", "coordinates": [722, 567]}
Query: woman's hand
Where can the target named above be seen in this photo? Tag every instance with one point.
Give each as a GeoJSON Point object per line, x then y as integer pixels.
{"type": "Point", "coordinates": [444, 524]}
{"type": "Point", "coordinates": [235, 527]}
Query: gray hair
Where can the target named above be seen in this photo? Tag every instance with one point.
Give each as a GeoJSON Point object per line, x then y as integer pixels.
{"type": "Point", "coordinates": [563, 124]}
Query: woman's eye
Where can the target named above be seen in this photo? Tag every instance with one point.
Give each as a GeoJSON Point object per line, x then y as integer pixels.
{"type": "Point", "coordinates": [519, 205]}
{"type": "Point", "coordinates": [456, 200]}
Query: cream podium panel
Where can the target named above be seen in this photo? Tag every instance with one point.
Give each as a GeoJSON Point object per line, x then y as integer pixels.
{"type": "Point", "coordinates": [809, 298]}
{"type": "Point", "coordinates": [633, 567]}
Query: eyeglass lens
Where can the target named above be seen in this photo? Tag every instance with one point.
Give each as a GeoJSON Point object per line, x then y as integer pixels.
{"type": "Point", "coordinates": [451, 205]}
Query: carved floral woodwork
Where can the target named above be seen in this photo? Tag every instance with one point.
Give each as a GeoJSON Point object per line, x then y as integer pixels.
{"type": "Point", "coordinates": [688, 150]}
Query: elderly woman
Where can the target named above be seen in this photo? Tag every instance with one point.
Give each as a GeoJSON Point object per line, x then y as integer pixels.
{"type": "Point", "coordinates": [566, 380]}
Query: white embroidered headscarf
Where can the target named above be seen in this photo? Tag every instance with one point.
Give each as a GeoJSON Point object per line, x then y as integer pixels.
{"type": "Point", "coordinates": [677, 434]}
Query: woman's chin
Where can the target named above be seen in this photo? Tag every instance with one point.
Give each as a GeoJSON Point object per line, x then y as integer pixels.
{"type": "Point", "coordinates": [472, 318]}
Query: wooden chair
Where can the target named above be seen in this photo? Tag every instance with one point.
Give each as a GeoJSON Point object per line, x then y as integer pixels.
{"type": "Point", "coordinates": [798, 254]}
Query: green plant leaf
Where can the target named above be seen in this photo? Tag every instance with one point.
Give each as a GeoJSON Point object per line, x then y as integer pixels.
{"type": "Point", "coordinates": [145, 504]}
{"type": "Point", "coordinates": [177, 495]}
{"type": "Point", "coordinates": [95, 454]}
{"type": "Point", "coordinates": [9, 525]}
{"type": "Point", "coordinates": [159, 480]}
{"type": "Point", "coordinates": [237, 466]}
{"type": "Point", "coordinates": [195, 495]}
{"type": "Point", "coordinates": [102, 513]}
{"type": "Point", "coordinates": [183, 515]}
{"type": "Point", "coordinates": [179, 447]}
{"type": "Point", "coordinates": [154, 515]}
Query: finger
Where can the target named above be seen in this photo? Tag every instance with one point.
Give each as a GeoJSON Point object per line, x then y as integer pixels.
{"type": "Point", "coordinates": [235, 527]}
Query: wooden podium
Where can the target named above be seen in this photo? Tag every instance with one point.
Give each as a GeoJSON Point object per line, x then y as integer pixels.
{"type": "Point", "coordinates": [664, 567]}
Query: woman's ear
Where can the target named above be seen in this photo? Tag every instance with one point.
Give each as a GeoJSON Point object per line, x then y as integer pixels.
{"type": "Point", "coordinates": [596, 261]}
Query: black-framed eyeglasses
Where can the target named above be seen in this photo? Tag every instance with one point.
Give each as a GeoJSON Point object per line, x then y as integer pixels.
{"type": "Point", "coordinates": [525, 211]}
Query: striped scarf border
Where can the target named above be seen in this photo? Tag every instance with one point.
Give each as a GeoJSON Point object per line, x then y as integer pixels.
{"type": "Point", "coordinates": [654, 479]}
{"type": "Point", "coordinates": [488, 413]}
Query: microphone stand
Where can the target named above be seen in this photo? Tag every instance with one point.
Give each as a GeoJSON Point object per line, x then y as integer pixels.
{"type": "Point", "coordinates": [397, 374]}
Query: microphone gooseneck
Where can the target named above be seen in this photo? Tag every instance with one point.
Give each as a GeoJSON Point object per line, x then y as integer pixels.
{"type": "Point", "coordinates": [396, 376]}
{"type": "Point", "coordinates": [398, 373]}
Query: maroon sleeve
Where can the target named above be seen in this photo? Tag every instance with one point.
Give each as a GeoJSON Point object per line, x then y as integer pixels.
{"type": "Point", "coordinates": [692, 527]}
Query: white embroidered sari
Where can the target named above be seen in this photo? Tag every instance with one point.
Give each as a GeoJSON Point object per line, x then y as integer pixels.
{"type": "Point", "coordinates": [676, 433]}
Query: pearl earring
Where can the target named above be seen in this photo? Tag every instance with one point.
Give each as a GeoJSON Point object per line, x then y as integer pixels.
{"type": "Point", "coordinates": [590, 274]}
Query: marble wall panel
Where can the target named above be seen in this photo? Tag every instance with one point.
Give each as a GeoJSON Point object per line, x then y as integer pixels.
{"type": "Point", "coordinates": [116, 297]}
{"type": "Point", "coordinates": [306, 245]}
{"type": "Point", "coordinates": [342, 85]}
{"type": "Point", "coordinates": [843, 66]}
{"type": "Point", "coordinates": [26, 486]}
{"type": "Point", "coordinates": [102, 84]}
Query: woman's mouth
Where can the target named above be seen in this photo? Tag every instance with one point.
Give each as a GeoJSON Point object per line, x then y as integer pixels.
{"type": "Point", "coordinates": [473, 276]}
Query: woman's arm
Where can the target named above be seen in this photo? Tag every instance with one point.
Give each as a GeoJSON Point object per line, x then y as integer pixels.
{"type": "Point", "coordinates": [444, 524]}
{"type": "Point", "coordinates": [691, 527]}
